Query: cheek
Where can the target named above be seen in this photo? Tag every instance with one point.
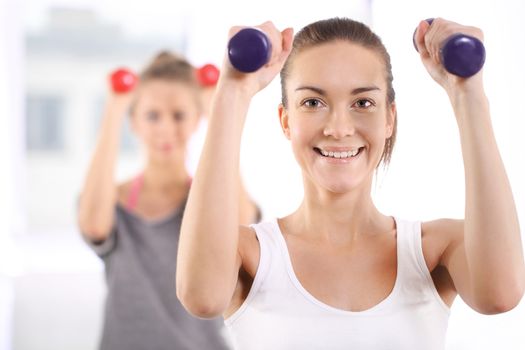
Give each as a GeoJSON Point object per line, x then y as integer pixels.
{"type": "Point", "coordinates": [186, 129]}
{"type": "Point", "coordinates": [301, 132]}
{"type": "Point", "coordinates": [297, 139]}
{"type": "Point", "coordinates": [183, 134]}
{"type": "Point", "coordinates": [375, 127]}
{"type": "Point", "coordinates": [301, 139]}
{"type": "Point", "coordinates": [140, 129]}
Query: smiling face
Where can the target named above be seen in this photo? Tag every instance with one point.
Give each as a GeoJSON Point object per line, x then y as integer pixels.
{"type": "Point", "coordinates": [165, 115]}
{"type": "Point", "coordinates": [337, 115]}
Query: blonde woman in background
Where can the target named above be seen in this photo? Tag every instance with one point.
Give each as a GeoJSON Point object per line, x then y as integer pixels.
{"type": "Point", "coordinates": [134, 227]}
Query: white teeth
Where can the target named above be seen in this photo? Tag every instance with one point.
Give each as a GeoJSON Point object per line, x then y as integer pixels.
{"type": "Point", "coordinates": [339, 155]}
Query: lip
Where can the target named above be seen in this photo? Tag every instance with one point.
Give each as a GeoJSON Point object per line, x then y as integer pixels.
{"type": "Point", "coordinates": [338, 149]}
{"type": "Point", "coordinates": [340, 160]}
{"type": "Point", "coordinates": [166, 148]}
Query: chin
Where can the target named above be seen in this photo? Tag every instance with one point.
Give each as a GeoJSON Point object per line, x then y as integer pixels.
{"type": "Point", "coordinates": [341, 188]}
{"type": "Point", "coordinates": [167, 157]}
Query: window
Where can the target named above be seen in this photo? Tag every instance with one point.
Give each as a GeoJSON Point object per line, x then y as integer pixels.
{"type": "Point", "coordinates": [44, 123]}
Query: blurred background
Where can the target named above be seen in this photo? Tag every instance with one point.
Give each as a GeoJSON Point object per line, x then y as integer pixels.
{"type": "Point", "coordinates": [55, 56]}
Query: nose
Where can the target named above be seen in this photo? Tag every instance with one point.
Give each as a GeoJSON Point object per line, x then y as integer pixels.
{"type": "Point", "coordinates": [339, 123]}
{"type": "Point", "coordinates": [168, 127]}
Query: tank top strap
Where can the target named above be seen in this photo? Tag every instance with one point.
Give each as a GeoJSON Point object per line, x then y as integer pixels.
{"type": "Point", "coordinates": [264, 233]}
{"type": "Point", "coordinates": [134, 192]}
{"type": "Point", "coordinates": [410, 251]}
{"type": "Point", "coordinates": [414, 268]}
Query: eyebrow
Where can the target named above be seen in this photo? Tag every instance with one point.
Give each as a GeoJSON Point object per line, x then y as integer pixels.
{"type": "Point", "coordinates": [355, 91]}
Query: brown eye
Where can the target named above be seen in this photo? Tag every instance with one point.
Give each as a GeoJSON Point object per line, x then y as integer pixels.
{"type": "Point", "coordinates": [363, 104]}
{"type": "Point", "coordinates": [312, 103]}
{"type": "Point", "coordinates": [179, 116]}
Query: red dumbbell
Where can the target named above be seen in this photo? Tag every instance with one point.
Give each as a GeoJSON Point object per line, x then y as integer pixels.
{"type": "Point", "coordinates": [208, 75]}
{"type": "Point", "coordinates": [123, 80]}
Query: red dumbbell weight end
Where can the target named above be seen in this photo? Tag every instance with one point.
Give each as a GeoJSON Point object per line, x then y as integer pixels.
{"type": "Point", "coordinates": [123, 80]}
{"type": "Point", "coordinates": [208, 75]}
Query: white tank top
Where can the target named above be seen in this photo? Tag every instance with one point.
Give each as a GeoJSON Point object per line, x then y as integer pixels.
{"type": "Point", "coordinates": [279, 313]}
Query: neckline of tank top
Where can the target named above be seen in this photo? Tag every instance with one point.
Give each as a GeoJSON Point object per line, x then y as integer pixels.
{"type": "Point", "coordinates": [387, 300]}
{"type": "Point", "coordinates": [136, 187]}
{"type": "Point", "coordinates": [131, 202]}
{"type": "Point", "coordinates": [156, 220]}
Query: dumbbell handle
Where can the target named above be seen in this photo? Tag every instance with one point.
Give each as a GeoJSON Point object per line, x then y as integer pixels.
{"type": "Point", "coordinates": [249, 50]}
{"type": "Point", "coordinates": [461, 54]}
{"type": "Point", "coordinates": [123, 80]}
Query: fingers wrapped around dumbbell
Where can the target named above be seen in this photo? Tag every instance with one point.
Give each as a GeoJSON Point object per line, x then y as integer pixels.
{"type": "Point", "coordinates": [450, 46]}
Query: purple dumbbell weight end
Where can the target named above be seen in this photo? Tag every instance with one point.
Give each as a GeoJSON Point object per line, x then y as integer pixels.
{"type": "Point", "coordinates": [461, 54]}
{"type": "Point", "coordinates": [249, 50]}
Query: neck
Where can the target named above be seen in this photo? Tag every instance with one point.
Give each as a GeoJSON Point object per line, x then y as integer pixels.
{"type": "Point", "coordinates": [336, 218]}
{"type": "Point", "coordinates": [165, 175]}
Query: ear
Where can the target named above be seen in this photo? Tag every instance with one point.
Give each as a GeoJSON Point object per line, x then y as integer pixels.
{"type": "Point", "coordinates": [390, 119]}
{"type": "Point", "coordinates": [283, 119]}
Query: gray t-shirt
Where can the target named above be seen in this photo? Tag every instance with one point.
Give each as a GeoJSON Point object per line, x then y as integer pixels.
{"type": "Point", "coordinates": [142, 311]}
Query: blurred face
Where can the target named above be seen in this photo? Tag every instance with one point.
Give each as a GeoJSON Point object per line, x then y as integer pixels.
{"type": "Point", "coordinates": [337, 117]}
{"type": "Point", "coordinates": [164, 118]}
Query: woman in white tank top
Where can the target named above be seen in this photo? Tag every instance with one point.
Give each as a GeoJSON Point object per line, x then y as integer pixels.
{"type": "Point", "coordinates": [337, 273]}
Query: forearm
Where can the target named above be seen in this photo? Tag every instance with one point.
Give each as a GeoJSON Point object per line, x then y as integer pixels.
{"type": "Point", "coordinates": [98, 198]}
{"type": "Point", "coordinates": [492, 233]}
{"type": "Point", "coordinates": [206, 263]}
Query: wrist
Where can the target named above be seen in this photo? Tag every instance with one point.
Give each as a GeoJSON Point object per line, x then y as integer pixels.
{"type": "Point", "coordinates": [118, 105]}
{"type": "Point", "coordinates": [465, 90]}
{"type": "Point", "coordinates": [470, 105]}
{"type": "Point", "coordinates": [239, 89]}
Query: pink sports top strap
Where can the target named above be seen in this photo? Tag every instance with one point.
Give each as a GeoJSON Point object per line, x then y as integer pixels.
{"type": "Point", "coordinates": [136, 187]}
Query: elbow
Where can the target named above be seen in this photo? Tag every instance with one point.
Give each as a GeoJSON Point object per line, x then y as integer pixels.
{"type": "Point", "coordinates": [95, 233]}
{"type": "Point", "coordinates": [201, 305]}
{"type": "Point", "coordinates": [504, 301]}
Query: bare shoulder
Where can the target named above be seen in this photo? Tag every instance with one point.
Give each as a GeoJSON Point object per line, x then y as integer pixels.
{"type": "Point", "coordinates": [249, 249]}
{"type": "Point", "coordinates": [437, 236]}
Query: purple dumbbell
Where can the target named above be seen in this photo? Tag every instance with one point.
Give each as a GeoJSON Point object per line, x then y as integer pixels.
{"type": "Point", "coordinates": [461, 54]}
{"type": "Point", "coordinates": [249, 50]}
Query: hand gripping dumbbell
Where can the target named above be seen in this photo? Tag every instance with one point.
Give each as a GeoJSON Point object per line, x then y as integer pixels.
{"type": "Point", "coordinates": [249, 50]}
{"type": "Point", "coordinates": [461, 54]}
{"type": "Point", "coordinates": [124, 80]}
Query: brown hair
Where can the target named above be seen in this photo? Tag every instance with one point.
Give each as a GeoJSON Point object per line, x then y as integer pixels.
{"type": "Point", "coordinates": [171, 67]}
{"type": "Point", "coordinates": [345, 29]}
